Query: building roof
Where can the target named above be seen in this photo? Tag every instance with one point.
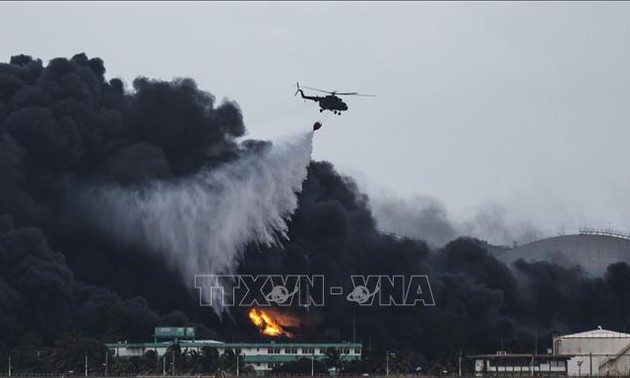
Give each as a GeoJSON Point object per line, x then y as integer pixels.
{"type": "Point", "coordinates": [598, 333]}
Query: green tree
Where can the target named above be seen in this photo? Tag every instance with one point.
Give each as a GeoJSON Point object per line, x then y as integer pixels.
{"type": "Point", "coordinates": [31, 356]}
{"type": "Point", "coordinates": [333, 359]}
{"type": "Point", "coordinates": [70, 352]}
{"type": "Point", "coordinates": [175, 359]}
{"type": "Point", "coordinates": [302, 367]}
{"type": "Point", "coordinates": [206, 361]}
{"type": "Point", "coordinates": [227, 361]}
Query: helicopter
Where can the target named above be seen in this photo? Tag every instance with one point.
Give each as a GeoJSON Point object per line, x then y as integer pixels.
{"type": "Point", "coordinates": [331, 101]}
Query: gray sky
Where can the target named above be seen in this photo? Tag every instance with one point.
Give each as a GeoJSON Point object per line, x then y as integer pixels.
{"type": "Point", "coordinates": [524, 106]}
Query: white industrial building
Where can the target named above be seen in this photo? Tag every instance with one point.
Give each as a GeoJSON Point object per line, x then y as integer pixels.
{"type": "Point", "coordinates": [593, 353]}
{"type": "Point", "coordinates": [262, 357]}
{"type": "Point", "coordinates": [597, 352]}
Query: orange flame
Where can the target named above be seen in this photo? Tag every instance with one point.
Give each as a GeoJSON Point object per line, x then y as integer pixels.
{"type": "Point", "coordinates": [271, 324]}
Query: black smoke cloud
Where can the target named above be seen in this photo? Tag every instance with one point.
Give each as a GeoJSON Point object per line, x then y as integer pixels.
{"type": "Point", "coordinates": [39, 293]}
{"type": "Point", "coordinates": [482, 305]}
{"type": "Point", "coordinates": [62, 125]}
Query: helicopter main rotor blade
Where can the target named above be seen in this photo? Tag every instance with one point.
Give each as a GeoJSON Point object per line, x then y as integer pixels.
{"type": "Point", "coordinates": [355, 94]}
{"type": "Point", "coordinates": [315, 89]}
{"type": "Point", "coordinates": [339, 93]}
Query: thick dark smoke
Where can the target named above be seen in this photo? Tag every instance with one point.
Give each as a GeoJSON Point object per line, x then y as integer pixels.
{"type": "Point", "coordinates": [62, 125]}
{"type": "Point", "coordinates": [481, 304]}
{"type": "Point", "coordinates": [39, 293]}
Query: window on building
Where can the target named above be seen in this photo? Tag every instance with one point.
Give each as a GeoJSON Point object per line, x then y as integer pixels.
{"type": "Point", "coordinates": [273, 351]}
{"type": "Point", "coordinates": [290, 350]}
{"type": "Point", "coordinates": [357, 351]}
{"type": "Point", "coordinates": [308, 350]}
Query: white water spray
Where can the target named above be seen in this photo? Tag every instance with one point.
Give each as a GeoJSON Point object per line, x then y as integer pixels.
{"type": "Point", "coordinates": [201, 224]}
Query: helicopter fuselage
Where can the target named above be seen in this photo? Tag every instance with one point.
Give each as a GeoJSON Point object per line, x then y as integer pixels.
{"type": "Point", "coordinates": [330, 102]}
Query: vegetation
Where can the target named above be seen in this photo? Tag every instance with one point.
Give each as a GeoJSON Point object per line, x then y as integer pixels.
{"type": "Point", "coordinates": [69, 353]}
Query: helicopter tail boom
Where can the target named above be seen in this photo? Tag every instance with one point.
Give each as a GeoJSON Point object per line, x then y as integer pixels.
{"type": "Point", "coordinates": [298, 90]}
